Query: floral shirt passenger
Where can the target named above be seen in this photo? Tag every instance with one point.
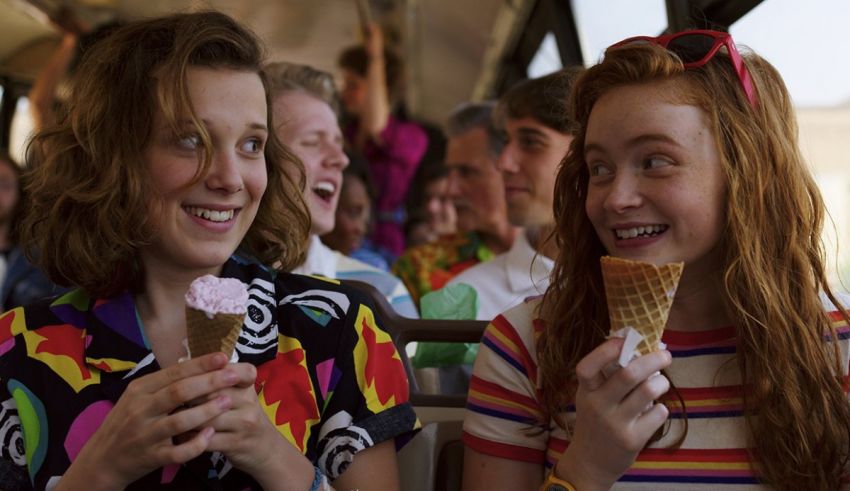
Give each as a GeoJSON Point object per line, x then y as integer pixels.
{"type": "Point", "coordinates": [328, 377]}
{"type": "Point", "coordinates": [428, 267]}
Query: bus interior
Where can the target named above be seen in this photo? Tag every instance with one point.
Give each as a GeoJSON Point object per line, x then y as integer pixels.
{"type": "Point", "coordinates": [456, 51]}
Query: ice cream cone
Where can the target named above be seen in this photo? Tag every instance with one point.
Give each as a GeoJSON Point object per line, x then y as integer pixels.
{"type": "Point", "coordinates": [640, 296]}
{"type": "Point", "coordinates": [208, 335]}
{"type": "Point", "coordinates": [215, 312]}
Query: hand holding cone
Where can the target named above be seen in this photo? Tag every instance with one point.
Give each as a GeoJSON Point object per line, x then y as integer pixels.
{"type": "Point", "coordinates": [640, 296]}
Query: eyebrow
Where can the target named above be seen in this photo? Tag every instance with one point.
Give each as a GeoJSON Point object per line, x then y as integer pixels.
{"type": "Point", "coordinates": [527, 131]}
{"type": "Point", "coordinates": [643, 138]}
{"type": "Point", "coordinates": [253, 126]}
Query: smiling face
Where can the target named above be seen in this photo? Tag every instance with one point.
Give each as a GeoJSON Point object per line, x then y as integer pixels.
{"type": "Point", "coordinates": [529, 164]}
{"type": "Point", "coordinates": [656, 191]}
{"type": "Point", "coordinates": [199, 225]}
{"type": "Point", "coordinates": [308, 126]}
{"type": "Point", "coordinates": [352, 217]}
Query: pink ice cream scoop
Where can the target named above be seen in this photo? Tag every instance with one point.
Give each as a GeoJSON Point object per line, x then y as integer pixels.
{"type": "Point", "coordinates": [215, 312]}
{"type": "Point", "coordinates": [215, 295]}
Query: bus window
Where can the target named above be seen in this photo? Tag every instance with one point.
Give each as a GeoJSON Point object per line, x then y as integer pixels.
{"type": "Point", "coordinates": [819, 83]}
{"type": "Point", "coordinates": [601, 24]}
{"type": "Point", "coordinates": [547, 59]}
{"type": "Point", "coordinates": [21, 130]}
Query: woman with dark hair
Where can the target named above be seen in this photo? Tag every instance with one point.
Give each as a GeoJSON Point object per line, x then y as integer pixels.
{"type": "Point", "coordinates": [166, 168]}
{"type": "Point", "coordinates": [686, 151]}
{"type": "Point", "coordinates": [394, 148]}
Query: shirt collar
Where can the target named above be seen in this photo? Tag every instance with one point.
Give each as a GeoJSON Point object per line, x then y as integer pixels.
{"type": "Point", "coordinates": [524, 267]}
{"type": "Point", "coordinates": [115, 340]}
{"type": "Point", "coordinates": [321, 260]}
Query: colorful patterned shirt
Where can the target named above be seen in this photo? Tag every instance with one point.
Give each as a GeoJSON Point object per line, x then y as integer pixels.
{"type": "Point", "coordinates": [504, 416]}
{"type": "Point", "coordinates": [329, 378]}
{"type": "Point", "coordinates": [429, 267]}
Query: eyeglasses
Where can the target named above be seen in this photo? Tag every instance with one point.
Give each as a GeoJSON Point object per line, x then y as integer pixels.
{"type": "Point", "coordinates": [695, 49]}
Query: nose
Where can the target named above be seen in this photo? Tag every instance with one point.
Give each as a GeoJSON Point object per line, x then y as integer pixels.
{"type": "Point", "coordinates": [453, 187]}
{"type": "Point", "coordinates": [224, 175]}
{"type": "Point", "coordinates": [623, 193]}
{"type": "Point", "coordinates": [358, 228]}
{"type": "Point", "coordinates": [507, 161]}
{"type": "Point", "coordinates": [335, 156]}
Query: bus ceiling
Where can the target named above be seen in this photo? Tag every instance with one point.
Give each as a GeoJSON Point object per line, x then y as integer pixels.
{"type": "Point", "coordinates": [455, 50]}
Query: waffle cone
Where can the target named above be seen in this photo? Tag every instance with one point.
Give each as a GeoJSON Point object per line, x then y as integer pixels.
{"type": "Point", "coordinates": [640, 296]}
{"type": "Point", "coordinates": [210, 335]}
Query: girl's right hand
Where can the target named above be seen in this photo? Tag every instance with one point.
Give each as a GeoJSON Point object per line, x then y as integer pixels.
{"type": "Point", "coordinates": [137, 435]}
{"type": "Point", "coordinates": [615, 414]}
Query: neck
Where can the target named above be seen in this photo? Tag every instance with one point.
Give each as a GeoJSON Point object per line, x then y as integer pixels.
{"type": "Point", "coordinates": [161, 308]}
{"type": "Point", "coordinates": [501, 239]}
{"type": "Point", "coordinates": [541, 239]}
{"type": "Point", "coordinates": [699, 303]}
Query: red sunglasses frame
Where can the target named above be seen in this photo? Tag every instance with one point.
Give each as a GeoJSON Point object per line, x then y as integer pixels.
{"type": "Point", "coordinates": [721, 39]}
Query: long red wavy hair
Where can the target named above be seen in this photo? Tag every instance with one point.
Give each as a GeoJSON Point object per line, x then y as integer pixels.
{"type": "Point", "coordinates": [796, 408]}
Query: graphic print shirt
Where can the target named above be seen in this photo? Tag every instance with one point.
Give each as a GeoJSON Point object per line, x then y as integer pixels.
{"type": "Point", "coordinates": [328, 377]}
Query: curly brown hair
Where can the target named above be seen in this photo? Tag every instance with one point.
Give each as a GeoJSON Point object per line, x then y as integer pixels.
{"type": "Point", "coordinates": [796, 408]}
{"type": "Point", "coordinates": [90, 189]}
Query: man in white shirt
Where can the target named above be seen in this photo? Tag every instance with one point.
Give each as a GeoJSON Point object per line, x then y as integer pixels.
{"type": "Point", "coordinates": [534, 116]}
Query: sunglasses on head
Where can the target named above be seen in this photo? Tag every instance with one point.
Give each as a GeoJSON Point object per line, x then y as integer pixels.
{"type": "Point", "coordinates": [695, 49]}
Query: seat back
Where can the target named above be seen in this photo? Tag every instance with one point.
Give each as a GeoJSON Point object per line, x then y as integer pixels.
{"type": "Point", "coordinates": [433, 459]}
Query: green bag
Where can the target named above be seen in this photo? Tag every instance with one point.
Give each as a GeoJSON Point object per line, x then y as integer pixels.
{"type": "Point", "coordinates": [453, 302]}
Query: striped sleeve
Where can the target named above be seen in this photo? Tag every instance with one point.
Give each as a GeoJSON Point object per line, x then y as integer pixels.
{"type": "Point", "coordinates": [503, 413]}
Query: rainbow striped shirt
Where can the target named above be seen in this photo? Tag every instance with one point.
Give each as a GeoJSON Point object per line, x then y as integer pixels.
{"type": "Point", "coordinates": [503, 416]}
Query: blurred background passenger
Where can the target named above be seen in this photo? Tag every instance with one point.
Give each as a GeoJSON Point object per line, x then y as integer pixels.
{"type": "Point", "coordinates": [433, 213]}
{"type": "Point", "coordinates": [47, 94]}
{"type": "Point", "coordinates": [354, 215]}
{"type": "Point", "coordinates": [477, 191]}
{"type": "Point", "coordinates": [394, 147]}
{"type": "Point", "coordinates": [538, 131]}
{"type": "Point", "coordinates": [20, 281]}
{"type": "Point", "coordinates": [303, 100]}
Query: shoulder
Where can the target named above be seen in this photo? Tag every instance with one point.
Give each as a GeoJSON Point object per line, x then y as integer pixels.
{"type": "Point", "coordinates": [482, 272]}
{"type": "Point", "coordinates": [520, 324]}
{"type": "Point", "coordinates": [319, 294]}
{"type": "Point", "coordinates": [66, 311]}
{"type": "Point", "coordinates": [842, 297]}
{"type": "Point", "coordinates": [349, 268]}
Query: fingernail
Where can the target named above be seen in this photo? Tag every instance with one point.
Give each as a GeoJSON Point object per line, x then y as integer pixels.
{"type": "Point", "coordinates": [230, 377]}
{"type": "Point", "coordinates": [223, 402]}
{"type": "Point", "coordinates": [220, 359]}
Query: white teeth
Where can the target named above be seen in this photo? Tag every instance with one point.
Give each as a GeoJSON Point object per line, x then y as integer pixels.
{"type": "Point", "coordinates": [211, 215]}
{"type": "Point", "coordinates": [326, 186]}
{"type": "Point", "coordinates": [646, 231]}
